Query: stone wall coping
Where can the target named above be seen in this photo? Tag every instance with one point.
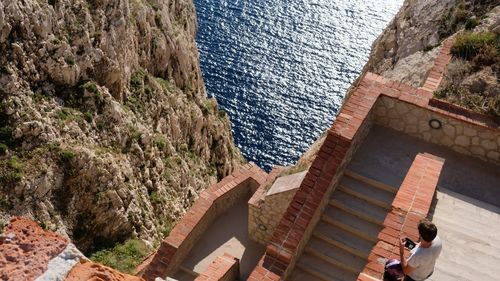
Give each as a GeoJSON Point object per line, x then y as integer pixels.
{"type": "Point", "coordinates": [422, 98]}
{"type": "Point", "coordinates": [225, 267]}
{"type": "Point", "coordinates": [260, 193]}
{"type": "Point", "coordinates": [412, 203]}
{"type": "Point", "coordinates": [464, 114]}
{"type": "Point", "coordinates": [286, 183]}
{"type": "Point", "coordinates": [184, 234]}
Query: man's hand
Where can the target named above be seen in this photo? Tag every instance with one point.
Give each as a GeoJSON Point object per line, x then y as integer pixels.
{"type": "Point", "coordinates": [402, 242]}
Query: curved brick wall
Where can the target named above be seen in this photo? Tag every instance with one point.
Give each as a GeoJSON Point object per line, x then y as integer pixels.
{"type": "Point", "coordinates": [212, 202]}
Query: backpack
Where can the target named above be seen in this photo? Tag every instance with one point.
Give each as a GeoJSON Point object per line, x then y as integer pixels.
{"type": "Point", "coordinates": [393, 271]}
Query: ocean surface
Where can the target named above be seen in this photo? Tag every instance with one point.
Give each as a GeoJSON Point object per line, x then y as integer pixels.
{"type": "Point", "coordinates": [280, 69]}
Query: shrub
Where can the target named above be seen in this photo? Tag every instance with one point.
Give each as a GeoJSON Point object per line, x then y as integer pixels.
{"type": "Point", "coordinates": [159, 142]}
{"type": "Point", "coordinates": [137, 80]}
{"type": "Point", "coordinates": [70, 60]}
{"type": "Point", "coordinates": [155, 198]}
{"type": "Point", "coordinates": [488, 55]}
{"type": "Point", "coordinates": [6, 135]}
{"type": "Point", "coordinates": [66, 156]}
{"type": "Point", "coordinates": [471, 23]}
{"type": "Point", "coordinates": [11, 177]}
{"type": "Point", "coordinates": [3, 149]}
{"type": "Point", "coordinates": [90, 87]}
{"type": "Point", "coordinates": [158, 20]}
{"type": "Point", "coordinates": [124, 257]}
{"type": "Point", "coordinates": [88, 116]}
{"type": "Point", "coordinates": [468, 45]}
{"type": "Point", "coordinates": [135, 134]}
{"type": "Point", "coordinates": [222, 114]}
{"type": "Point", "coordinates": [14, 164]}
{"type": "Point", "coordinates": [168, 225]}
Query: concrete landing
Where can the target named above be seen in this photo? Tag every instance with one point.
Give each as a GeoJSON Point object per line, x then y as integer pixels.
{"type": "Point", "coordinates": [471, 241]}
{"type": "Point", "coordinates": [386, 155]}
{"type": "Point", "coordinates": [228, 234]}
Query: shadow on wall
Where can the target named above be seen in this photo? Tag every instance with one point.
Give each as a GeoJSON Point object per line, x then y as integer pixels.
{"type": "Point", "coordinates": [227, 234]}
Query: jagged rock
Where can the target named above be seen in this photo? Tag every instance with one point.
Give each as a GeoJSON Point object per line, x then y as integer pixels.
{"type": "Point", "coordinates": [108, 114]}
{"type": "Point", "coordinates": [400, 59]}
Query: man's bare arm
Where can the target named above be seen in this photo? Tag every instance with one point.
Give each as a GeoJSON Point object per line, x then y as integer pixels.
{"type": "Point", "coordinates": [404, 263]}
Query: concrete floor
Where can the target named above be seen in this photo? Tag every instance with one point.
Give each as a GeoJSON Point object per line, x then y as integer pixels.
{"type": "Point", "coordinates": [466, 210]}
{"type": "Point", "coordinates": [386, 155]}
{"type": "Point", "coordinates": [228, 234]}
{"type": "Point", "coordinates": [471, 245]}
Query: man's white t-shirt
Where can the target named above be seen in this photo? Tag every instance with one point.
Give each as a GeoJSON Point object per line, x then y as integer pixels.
{"type": "Point", "coordinates": [423, 260]}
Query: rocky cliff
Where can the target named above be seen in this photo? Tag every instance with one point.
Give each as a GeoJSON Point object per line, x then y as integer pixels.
{"type": "Point", "coordinates": [106, 132]}
{"type": "Point", "coordinates": [409, 45]}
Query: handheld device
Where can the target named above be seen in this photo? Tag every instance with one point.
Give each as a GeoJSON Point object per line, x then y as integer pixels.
{"type": "Point", "coordinates": [409, 244]}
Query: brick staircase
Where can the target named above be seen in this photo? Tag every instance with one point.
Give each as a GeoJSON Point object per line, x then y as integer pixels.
{"type": "Point", "coordinates": [341, 242]}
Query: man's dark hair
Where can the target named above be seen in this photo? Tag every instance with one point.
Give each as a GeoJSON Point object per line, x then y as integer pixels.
{"type": "Point", "coordinates": [427, 230]}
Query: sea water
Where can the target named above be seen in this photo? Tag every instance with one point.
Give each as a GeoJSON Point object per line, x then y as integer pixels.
{"type": "Point", "coordinates": [280, 69]}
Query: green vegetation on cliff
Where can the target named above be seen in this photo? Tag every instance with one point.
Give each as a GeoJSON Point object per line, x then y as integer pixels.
{"type": "Point", "coordinates": [473, 74]}
{"type": "Point", "coordinates": [123, 257]}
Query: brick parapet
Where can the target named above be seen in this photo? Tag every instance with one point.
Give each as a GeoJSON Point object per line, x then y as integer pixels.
{"type": "Point", "coordinates": [411, 204]}
{"type": "Point", "coordinates": [298, 221]}
{"type": "Point", "coordinates": [439, 69]}
{"type": "Point", "coordinates": [223, 268]}
{"type": "Point", "coordinates": [304, 211]}
{"type": "Point", "coordinates": [212, 202]}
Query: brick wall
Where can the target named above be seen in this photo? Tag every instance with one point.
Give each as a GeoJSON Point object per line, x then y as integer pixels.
{"type": "Point", "coordinates": [223, 268]}
{"type": "Point", "coordinates": [303, 213]}
{"type": "Point", "coordinates": [352, 123]}
{"type": "Point", "coordinates": [212, 202]}
{"type": "Point", "coordinates": [412, 203]}
{"type": "Point", "coordinates": [440, 67]}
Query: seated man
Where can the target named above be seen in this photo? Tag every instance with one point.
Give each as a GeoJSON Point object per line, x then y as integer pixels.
{"type": "Point", "coordinates": [420, 265]}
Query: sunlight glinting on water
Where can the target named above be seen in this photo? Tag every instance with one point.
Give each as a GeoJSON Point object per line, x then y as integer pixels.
{"type": "Point", "coordinates": [281, 68]}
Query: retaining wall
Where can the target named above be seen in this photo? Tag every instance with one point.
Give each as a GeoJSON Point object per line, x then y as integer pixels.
{"type": "Point", "coordinates": [212, 202]}
{"type": "Point", "coordinates": [462, 134]}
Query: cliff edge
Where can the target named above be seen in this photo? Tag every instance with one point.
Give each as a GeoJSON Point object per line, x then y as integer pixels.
{"type": "Point", "coordinates": [106, 132]}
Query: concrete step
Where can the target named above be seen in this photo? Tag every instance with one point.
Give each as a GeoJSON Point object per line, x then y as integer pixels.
{"type": "Point", "coordinates": [366, 192]}
{"type": "Point", "coordinates": [335, 255]}
{"type": "Point", "coordinates": [301, 275]}
{"type": "Point", "coordinates": [351, 223]}
{"type": "Point", "coordinates": [370, 181]}
{"type": "Point", "coordinates": [343, 239]}
{"type": "Point", "coordinates": [358, 207]}
{"type": "Point", "coordinates": [324, 270]}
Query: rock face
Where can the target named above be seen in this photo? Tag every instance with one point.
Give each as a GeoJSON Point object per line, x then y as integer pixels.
{"type": "Point", "coordinates": [105, 130]}
{"type": "Point", "coordinates": [406, 51]}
